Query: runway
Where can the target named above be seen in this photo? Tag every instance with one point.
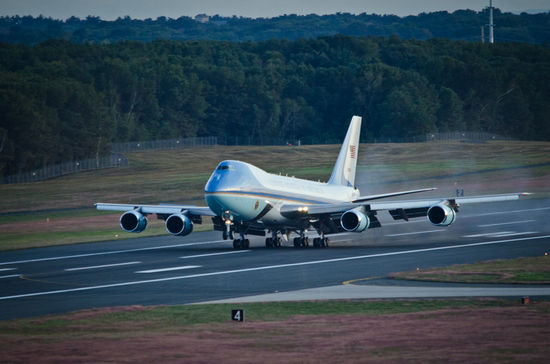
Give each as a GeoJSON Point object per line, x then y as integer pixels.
{"type": "Point", "coordinates": [202, 268]}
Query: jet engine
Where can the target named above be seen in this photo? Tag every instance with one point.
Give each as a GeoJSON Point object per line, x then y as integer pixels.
{"type": "Point", "coordinates": [354, 220]}
{"type": "Point", "coordinates": [179, 225]}
{"type": "Point", "coordinates": [133, 222]}
{"type": "Point", "coordinates": [441, 215]}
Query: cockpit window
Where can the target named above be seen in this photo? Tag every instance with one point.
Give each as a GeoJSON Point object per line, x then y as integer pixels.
{"type": "Point", "coordinates": [225, 167]}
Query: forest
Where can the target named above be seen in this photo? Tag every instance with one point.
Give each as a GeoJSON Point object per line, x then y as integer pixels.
{"type": "Point", "coordinates": [458, 25]}
{"type": "Point", "coordinates": [63, 101]}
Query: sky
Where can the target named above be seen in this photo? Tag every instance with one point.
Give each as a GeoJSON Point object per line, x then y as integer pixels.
{"type": "Point", "coordinates": [142, 9]}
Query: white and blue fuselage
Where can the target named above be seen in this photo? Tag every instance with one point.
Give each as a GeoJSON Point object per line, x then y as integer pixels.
{"type": "Point", "coordinates": [242, 192]}
{"type": "Point", "coordinates": [244, 199]}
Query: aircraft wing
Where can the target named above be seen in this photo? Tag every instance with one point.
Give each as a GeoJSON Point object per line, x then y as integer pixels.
{"type": "Point", "coordinates": [392, 194]}
{"type": "Point", "coordinates": [411, 208]}
{"type": "Point", "coordinates": [157, 209]}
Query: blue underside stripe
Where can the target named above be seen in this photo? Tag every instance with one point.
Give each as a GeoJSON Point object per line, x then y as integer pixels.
{"type": "Point", "coordinates": [271, 195]}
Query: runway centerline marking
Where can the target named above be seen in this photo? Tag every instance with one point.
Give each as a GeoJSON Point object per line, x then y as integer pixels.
{"type": "Point", "coordinates": [505, 223]}
{"type": "Point", "coordinates": [10, 276]}
{"type": "Point", "coordinates": [505, 212]}
{"type": "Point", "coordinates": [160, 270]}
{"type": "Point", "coordinates": [200, 275]}
{"type": "Point", "coordinates": [111, 252]}
{"type": "Point", "coordinates": [416, 233]}
{"type": "Point", "coordinates": [501, 234]}
{"type": "Point", "coordinates": [100, 266]}
{"type": "Point", "coordinates": [214, 254]}
{"type": "Point", "coordinates": [488, 234]}
{"type": "Point", "coordinates": [514, 234]}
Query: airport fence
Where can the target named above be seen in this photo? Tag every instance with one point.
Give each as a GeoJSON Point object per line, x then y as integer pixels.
{"type": "Point", "coordinates": [457, 136]}
{"type": "Point", "coordinates": [118, 159]}
{"type": "Point", "coordinates": [176, 143]}
{"type": "Point", "coordinates": [61, 169]}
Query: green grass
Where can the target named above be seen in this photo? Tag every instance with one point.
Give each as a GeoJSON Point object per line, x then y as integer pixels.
{"type": "Point", "coordinates": [42, 216]}
{"type": "Point", "coordinates": [179, 176]}
{"type": "Point", "coordinates": [516, 271]}
{"type": "Point", "coordinates": [162, 317]}
{"type": "Point", "coordinates": [33, 240]}
{"type": "Point", "coordinates": [25, 240]}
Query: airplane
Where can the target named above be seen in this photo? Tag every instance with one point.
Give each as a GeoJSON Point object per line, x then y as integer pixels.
{"type": "Point", "coordinates": [245, 200]}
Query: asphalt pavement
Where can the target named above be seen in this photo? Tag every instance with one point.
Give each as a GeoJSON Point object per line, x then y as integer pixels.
{"type": "Point", "coordinates": [201, 267]}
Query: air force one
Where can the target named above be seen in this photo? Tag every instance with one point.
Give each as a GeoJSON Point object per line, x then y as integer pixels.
{"type": "Point", "coordinates": [245, 200]}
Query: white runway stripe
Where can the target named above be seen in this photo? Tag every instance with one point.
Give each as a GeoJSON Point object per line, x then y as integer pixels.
{"type": "Point", "coordinates": [214, 254]}
{"type": "Point", "coordinates": [133, 283]}
{"type": "Point", "coordinates": [111, 252]}
{"type": "Point", "coordinates": [514, 234]}
{"type": "Point", "coordinates": [168, 269]}
{"type": "Point", "coordinates": [11, 276]}
{"type": "Point", "coordinates": [506, 223]}
{"type": "Point", "coordinates": [416, 233]}
{"type": "Point", "coordinates": [100, 266]}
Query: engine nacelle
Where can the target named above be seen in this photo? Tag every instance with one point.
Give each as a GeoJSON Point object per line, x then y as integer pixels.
{"type": "Point", "coordinates": [179, 225]}
{"type": "Point", "coordinates": [441, 215]}
{"type": "Point", "coordinates": [133, 222]}
{"type": "Point", "coordinates": [354, 220]}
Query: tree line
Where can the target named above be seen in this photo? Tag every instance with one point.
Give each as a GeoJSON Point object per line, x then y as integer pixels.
{"type": "Point", "coordinates": [458, 25]}
{"type": "Point", "coordinates": [62, 101]}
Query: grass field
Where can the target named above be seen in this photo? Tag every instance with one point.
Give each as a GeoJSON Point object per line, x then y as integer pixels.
{"type": "Point", "coordinates": [518, 271]}
{"type": "Point", "coordinates": [336, 331]}
{"type": "Point", "coordinates": [60, 211]}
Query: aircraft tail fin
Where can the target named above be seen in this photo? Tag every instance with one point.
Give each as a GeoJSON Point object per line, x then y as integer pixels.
{"type": "Point", "coordinates": [344, 169]}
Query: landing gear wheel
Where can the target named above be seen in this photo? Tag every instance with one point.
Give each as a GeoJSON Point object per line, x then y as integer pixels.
{"type": "Point", "coordinates": [297, 242]}
{"type": "Point", "coordinates": [316, 242]}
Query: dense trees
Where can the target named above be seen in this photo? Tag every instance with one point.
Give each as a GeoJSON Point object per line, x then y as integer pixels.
{"type": "Point", "coordinates": [459, 25]}
{"type": "Point", "coordinates": [61, 101]}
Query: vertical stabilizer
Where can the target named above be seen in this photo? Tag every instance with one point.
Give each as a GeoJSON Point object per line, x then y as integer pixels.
{"type": "Point", "coordinates": [344, 169]}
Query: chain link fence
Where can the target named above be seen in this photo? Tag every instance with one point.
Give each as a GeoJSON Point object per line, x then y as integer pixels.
{"type": "Point", "coordinates": [61, 169]}
{"type": "Point", "coordinates": [117, 159]}
{"type": "Point", "coordinates": [164, 144]}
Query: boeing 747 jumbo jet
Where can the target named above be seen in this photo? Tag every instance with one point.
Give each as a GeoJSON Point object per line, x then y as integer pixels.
{"type": "Point", "coordinates": [245, 200]}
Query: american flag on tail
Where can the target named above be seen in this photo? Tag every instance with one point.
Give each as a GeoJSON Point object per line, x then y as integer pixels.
{"type": "Point", "coordinates": [352, 151]}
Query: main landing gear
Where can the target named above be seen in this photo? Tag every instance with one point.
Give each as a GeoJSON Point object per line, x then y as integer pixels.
{"type": "Point", "coordinates": [320, 242]}
{"type": "Point", "coordinates": [239, 244]}
{"type": "Point", "coordinates": [274, 242]}
{"type": "Point", "coordinates": [303, 241]}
